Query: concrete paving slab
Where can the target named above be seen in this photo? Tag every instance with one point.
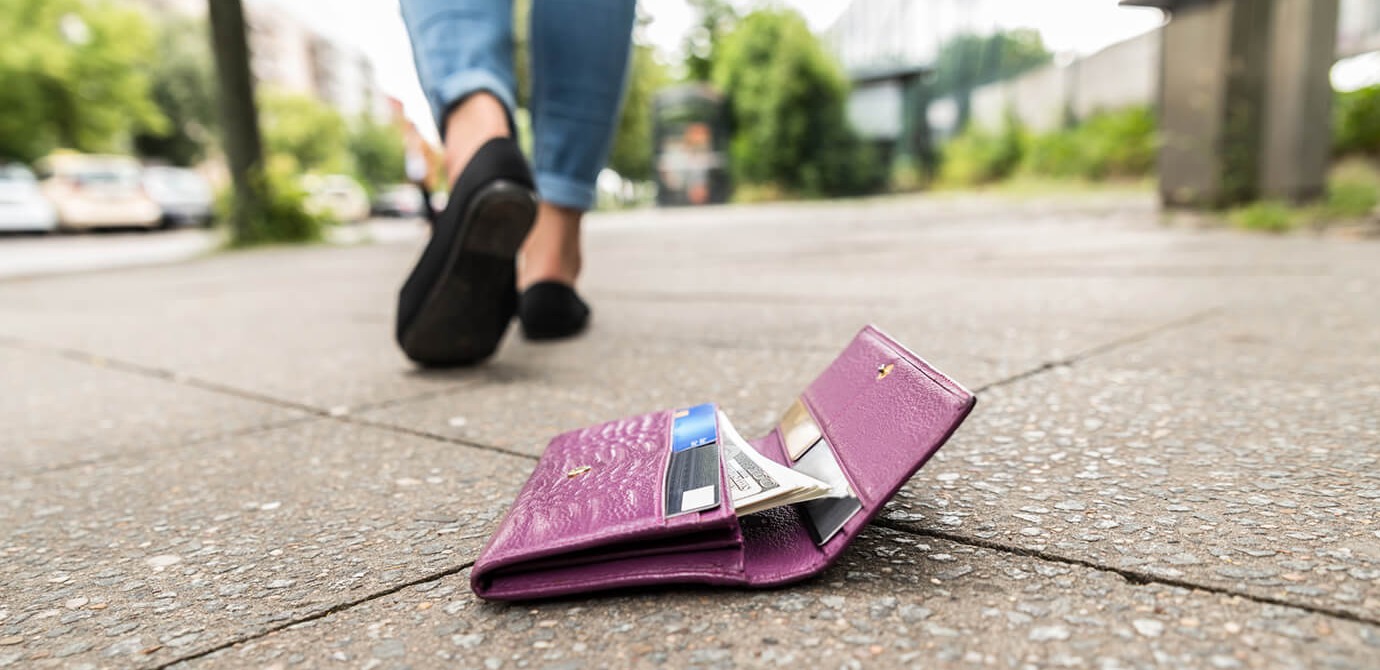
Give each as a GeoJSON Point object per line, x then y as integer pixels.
{"type": "Point", "coordinates": [894, 601]}
{"type": "Point", "coordinates": [312, 326]}
{"type": "Point", "coordinates": [1257, 486]}
{"type": "Point", "coordinates": [58, 412]}
{"type": "Point", "coordinates": [1327, 342]}
{"type": "Point", "coordinates": [136, 561]}
{"type": "Point", "coordinates": [578, 384]}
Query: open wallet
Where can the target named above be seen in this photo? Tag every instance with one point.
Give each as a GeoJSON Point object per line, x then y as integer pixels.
{"type": "Point", "coordinates": [650, 500]}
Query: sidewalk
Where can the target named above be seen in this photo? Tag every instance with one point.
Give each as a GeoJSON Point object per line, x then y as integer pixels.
{"type": "Point", "coordinates": [1174, 461]}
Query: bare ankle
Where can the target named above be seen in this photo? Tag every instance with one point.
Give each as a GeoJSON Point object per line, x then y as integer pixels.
{"type": "Point", "coordinates": [476, 120]}
{"type": "Point", "coordinates": [552, 250]}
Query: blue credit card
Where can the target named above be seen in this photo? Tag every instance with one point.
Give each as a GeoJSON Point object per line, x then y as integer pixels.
{"type": "Point", "coordinates": [694, 427]}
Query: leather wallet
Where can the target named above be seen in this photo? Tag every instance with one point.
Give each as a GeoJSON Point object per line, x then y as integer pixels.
{"type": "Point", "coordinates": [592, 517]}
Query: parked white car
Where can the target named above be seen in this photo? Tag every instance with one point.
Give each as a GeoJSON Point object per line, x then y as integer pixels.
{"type": "Point", "coordinates": [400, 200]}
{"type": "Point", "coordinates": [22, 204]}
{"type": "Point", "coordinates": [184, 196]}
{"type": "Point", "coordinates": [337, 196]}
{"type": "Point", "coordinates": [92, 191]}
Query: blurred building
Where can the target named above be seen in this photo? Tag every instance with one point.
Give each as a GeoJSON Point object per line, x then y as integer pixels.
{"type": "Point", "coordinates": [288, 55]}
{"type": "Point", "coordinates": [886, 48]}
{"type": "Point", "coordinates": [884, 35]}
{"type": "Point", "coordinates": [1358, 31]}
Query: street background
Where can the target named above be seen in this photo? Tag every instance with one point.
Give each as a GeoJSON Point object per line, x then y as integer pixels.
{"type": "Point", "coordinates": [1146, 239]}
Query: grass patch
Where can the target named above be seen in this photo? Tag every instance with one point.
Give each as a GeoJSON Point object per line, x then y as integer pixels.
{"type": "Point", "coordinates": [1353, 190]}
{"type": "Point", "coordinates": [1266, 216]}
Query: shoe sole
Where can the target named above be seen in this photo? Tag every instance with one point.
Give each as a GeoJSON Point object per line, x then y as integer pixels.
{"type": "Point", "coordinates": [465, 314]}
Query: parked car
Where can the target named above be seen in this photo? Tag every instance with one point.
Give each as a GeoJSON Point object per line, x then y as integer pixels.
{"type": "Point", "coordinates": [337, 196]}
{"type": "Point", "coordinates": [184, 196]}
{"type": "Point", "coordinates": [400, 200]}
{"type": "Point", "coordinates": [22, 205]}
{"type": "Point", "coordinates": [93, 191]}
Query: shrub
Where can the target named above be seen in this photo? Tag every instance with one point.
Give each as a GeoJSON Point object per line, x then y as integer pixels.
{"type": "Point", "coordinates": [1120, 143]}
{"type": "Point", "coordinates": [1356, 122]}
{"type": "Point", "coordinates": [1059, 154]}
{"type": "Point", "coordinates": [1353, 190]}
{"type": "Point", "coordinates": [979, 156]}
{"type": "Point", "coordinates": [283, 217]}
{"type": "Point", "coordinates": [1116, 144]}
{"type": "Point", "coordinates": [1264, 216]}
{"type": "Point", "coordinates": [786, 100]}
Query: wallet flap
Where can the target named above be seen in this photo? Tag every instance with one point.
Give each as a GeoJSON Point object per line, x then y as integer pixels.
{"type": "Point", "coordinates": [884, 412]}
{"type": "Point", "coordinates": [596, 497]}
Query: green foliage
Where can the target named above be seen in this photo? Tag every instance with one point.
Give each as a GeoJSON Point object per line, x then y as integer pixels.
{"type": "Point", "coordinates": [715, 19]}
{"type": "Point", "coordinates": [786, 100]}
{"type": "Point", "coordinates": [377, 151]}
{"type": "Point", "coordinates": [968, 61]}
{"type": "Point", "coordinates": [1356, 124]}
{"type": "Point", "coordinates": [1119, 144]}
{"type": "Point", "coordinates": [305, 130]}
{"type": "Point", "coordinates": [284, 218]}
{"type": "Point", "coordinates": [72, 75]}
{"type": "Point", "coordinates": [979, 156]}
{"type": "Point", "coordinates": [184, 89]}
{"type": "Point", "coordinates": [1265, 216]}
{"type": "Point", "coordinates": [632, 143]}
{"type": "Point", "coordinates": [1353, 190]}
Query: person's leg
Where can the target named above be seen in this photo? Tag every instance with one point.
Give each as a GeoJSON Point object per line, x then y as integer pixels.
{"type": "Point", "coordinates": [464, 55]}
{"type": "Point", "coordinates": [456, 304]}
{"type": "Point", "coordinates": [580, 54]}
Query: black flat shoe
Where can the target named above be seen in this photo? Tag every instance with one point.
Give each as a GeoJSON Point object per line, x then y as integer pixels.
{"type": "Point", "coordinates": [456, 304]}
{"type": "Point", "coordinates": [551, 311]}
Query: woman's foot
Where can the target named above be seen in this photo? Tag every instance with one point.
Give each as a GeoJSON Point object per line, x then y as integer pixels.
{"type": "Point", "coordinates": [552, 249]}
{"type": "Point", "coordinates": [550, 263]}
{"type": "Point", "coordinates": [456, 304]}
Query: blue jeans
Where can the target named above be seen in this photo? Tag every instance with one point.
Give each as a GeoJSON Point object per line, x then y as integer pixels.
{"type": "Point", "coordinates": [579, 65]}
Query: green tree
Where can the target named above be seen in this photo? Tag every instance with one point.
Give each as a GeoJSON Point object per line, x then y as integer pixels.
{"type": "Point", "coordinates": [716, 19]}
{"type": "Point", "coordinates": [73, 74]}
{"type": "Point", "coordinates": [306, 130]}
{"type": "Point", "coordinates": [1356, 124]}
{"type": "Point", "coordinates": [787, 101]}
{"type": "Point", "coordinates": [632, 144]}
{"type": "Point", "coordinates": [378, 153]}
{"type": "Point", "coordinates": [969, 61]}
{"type": "Point", "coordinates": [184, 90]}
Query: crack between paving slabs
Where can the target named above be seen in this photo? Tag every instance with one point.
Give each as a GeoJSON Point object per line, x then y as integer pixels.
{"type": "Point", "coordinates": [333, 609]}
{"type": "Point", "coordinates": [206, 439]}
{"type": "Point", "coordinates": [1131, 576]}
{"type": "Point", "coordinates": [160, 374]}
{"type": "Point", "coordinates": [1135, 577]}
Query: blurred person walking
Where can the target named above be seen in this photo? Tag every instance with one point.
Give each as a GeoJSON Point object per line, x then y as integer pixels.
{"type": "Point", "coordinates": [504, 229]}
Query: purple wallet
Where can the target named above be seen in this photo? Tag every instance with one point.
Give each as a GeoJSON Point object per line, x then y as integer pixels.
{"type": "Point", "coordinates": [592, 517]}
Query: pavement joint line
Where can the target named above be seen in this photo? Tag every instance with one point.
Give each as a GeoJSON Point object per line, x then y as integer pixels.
{"type": "Point", "coordinates": [314, 616]}
{"type": "Point", "coordinates": [205, 439]}
{"type": "Point", "coordinates": [416, 432]}
{"type": "Point", "coordinates": [1135, 577]}
{"type": "Point", "coordinates": [108, 363]}
{"type": "Point", "coordinates": [104, 362]}
{"type": "Point", "coordinates": [1104, 348]}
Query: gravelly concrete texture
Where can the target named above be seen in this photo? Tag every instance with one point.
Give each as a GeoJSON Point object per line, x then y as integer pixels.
{"type": "Point", "coordinates": [1172, 464]}
{"type": "Point", "coordinates": [894, 601]}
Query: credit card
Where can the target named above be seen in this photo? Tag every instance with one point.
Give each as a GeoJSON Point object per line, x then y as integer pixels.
{"type": "Point", "coordinates": [692, 472]}
{"type": "Point", "coordinates": [692, 480]}
{"type": "Point", "coordinates": [798, 430]}
{"type": "Point", "coordinates": [694, 427]}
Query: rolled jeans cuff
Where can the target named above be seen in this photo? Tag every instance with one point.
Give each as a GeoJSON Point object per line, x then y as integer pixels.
{"type": "Point", "coordinates": [565, 192]}
{"type": "Point", "coordinates": [461, 85]}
